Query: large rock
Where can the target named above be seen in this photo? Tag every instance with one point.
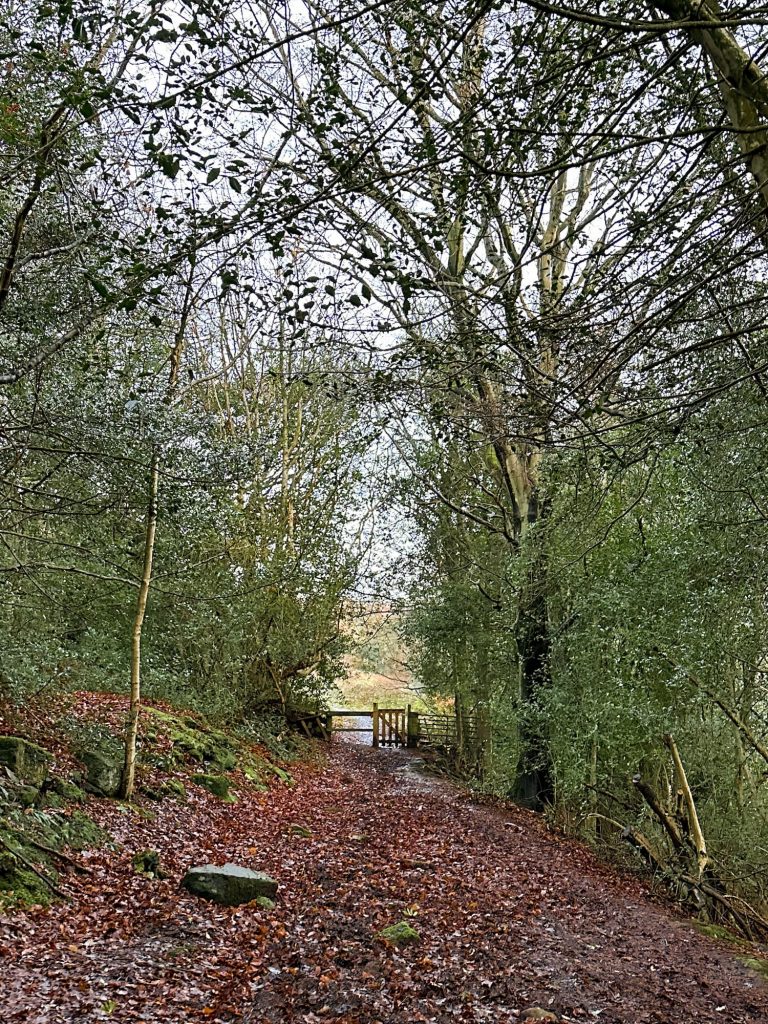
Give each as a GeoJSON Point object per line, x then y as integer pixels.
{"type": "Point", "coordinates": [26, 760]}
{"type": "Point", "coordinates": [229, 885]}
{"type": "Point", "coordinates": [104, 770]}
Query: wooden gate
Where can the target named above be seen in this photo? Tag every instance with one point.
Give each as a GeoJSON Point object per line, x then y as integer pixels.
{"type": "Point", "coordinates": [390, 727]}
{"type": "Point", "coordinates": [401, 727]}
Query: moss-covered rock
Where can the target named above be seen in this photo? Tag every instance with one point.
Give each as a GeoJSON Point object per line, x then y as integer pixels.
{"type": "Point", "coordinates": [255, 777]}
{"type": "Point", "coordinates": [27, 761]}
{"type": "Point", "coordinates": [68, 791]}
{"type": "Point", "coordinates": [19, 886]}
{"type": "Point", "coordinates": [285, 777]}
{"type": "Point", "coordinates": [400, 934]}
{"type": "Point", "coordinates": [34, 840]}
{"type": "Point", "coordinates": [756, 964]}
{"type": "Point", "coordinates": [300, 830]}
{"type": "Point", "coordinates": [226, 760]}
{"type": "Point", "coordinates": [27, 796]}
{"type": "Point", "coordinates": [716, 931]}
{"type": "Point", "coordinates": [147, 862]}
{"type": "Point", "coordinates": [216, 784]}
{"type": "Point", "coordinates": [174, 788]}
{"type": "Point", "coordinates": [257, 770]}
{"type": "Point", "coordinates": [193, 740]}
{"type": "Point", "coordinates": [104, 769]}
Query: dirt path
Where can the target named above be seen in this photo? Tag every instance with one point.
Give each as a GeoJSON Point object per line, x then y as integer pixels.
{"type": "Point", "coordinates": [509, 917]}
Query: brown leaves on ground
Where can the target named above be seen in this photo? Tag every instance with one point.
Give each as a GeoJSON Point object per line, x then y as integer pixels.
{"type": "Point", "coordinates": [509, 917]}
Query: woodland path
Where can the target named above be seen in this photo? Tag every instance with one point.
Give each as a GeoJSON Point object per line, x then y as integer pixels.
{"type": "Point", "coordinates": [510, 916]}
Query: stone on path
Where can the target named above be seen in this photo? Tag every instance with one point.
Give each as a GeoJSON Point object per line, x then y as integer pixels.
{"type": "Point", "coordinates": [537, 1013]}
{"type": "Point", "coordinates": [229, 884]}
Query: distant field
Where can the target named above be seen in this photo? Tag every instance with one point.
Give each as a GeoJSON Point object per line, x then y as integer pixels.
{"type": "Point", "coordinates": [362, 688]}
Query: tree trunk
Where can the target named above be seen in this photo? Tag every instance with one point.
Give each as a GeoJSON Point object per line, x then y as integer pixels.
{"type": "Point", "coordinates": [593, 800]}
{"type": "Point", "coordinates": [702, 857]}
{"type": "Point", "coordinates": [534, 786]}
{"type": "Point", "coordinates": [743, 85]}
{"type": "Point", "coordinates": [129, 765]}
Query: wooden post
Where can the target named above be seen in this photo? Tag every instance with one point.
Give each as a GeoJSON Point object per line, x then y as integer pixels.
{"type": "Point", "coordinates": [329, 727]}
{"type": "Point", "coordinates": [411, 729]}
{"type": "Point", "coordinates": [375, 723]}
{"type": "Point", "coordinates": [458, 709]}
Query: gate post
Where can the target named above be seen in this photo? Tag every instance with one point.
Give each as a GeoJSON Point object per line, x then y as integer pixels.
{"type": "Point", "coordinates": [375, 724]}
{"type": "Point", "coordinates": [412, 728]}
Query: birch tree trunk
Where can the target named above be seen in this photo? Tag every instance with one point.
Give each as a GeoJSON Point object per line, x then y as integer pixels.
{"type": "Point", "coordinates": [132, 727]}
{"type": "Point", "coordinates": [129, 765]}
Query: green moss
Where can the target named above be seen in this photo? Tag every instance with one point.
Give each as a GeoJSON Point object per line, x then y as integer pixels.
{"type": "Point", "coordinates": [264, 902]}
{"type": "Point", "coordinates": [257, 770]}
{"type": "Point", "coordinates": [20, 887]}
{"type": "Point", "coordinates": [754, 964]}
{"type": "Point", "coordinates": [284, 776]}
{"type": "Point", "coordinates": [175, 788]}
{"type": "Point", "coordinates": [82, 833]}
{"type": "Point", "coordinates": [147, 862]}
{"type": "Point", "coordinates": [400, 934]}
{"type": "Point", "coordinates": [68, 791]}
{"type": "Point", "coordinates": [300, 830]}
{"type": "Point", "coordinates": [216, 784]}
{"type": "Point", "coordinates": [226, 760]}
{"type": "Point", "coordinates": [716, 931]}
{"type": "Point", "coordinates": [192, 740]}
{"type": "Point", "coordinates": [255, 777]}
{"type": "Point", "coordinates": [27, 795]}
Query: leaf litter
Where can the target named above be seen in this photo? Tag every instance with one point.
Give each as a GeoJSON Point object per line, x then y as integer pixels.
{"type": "Point", "coordinates": [508, 914]}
